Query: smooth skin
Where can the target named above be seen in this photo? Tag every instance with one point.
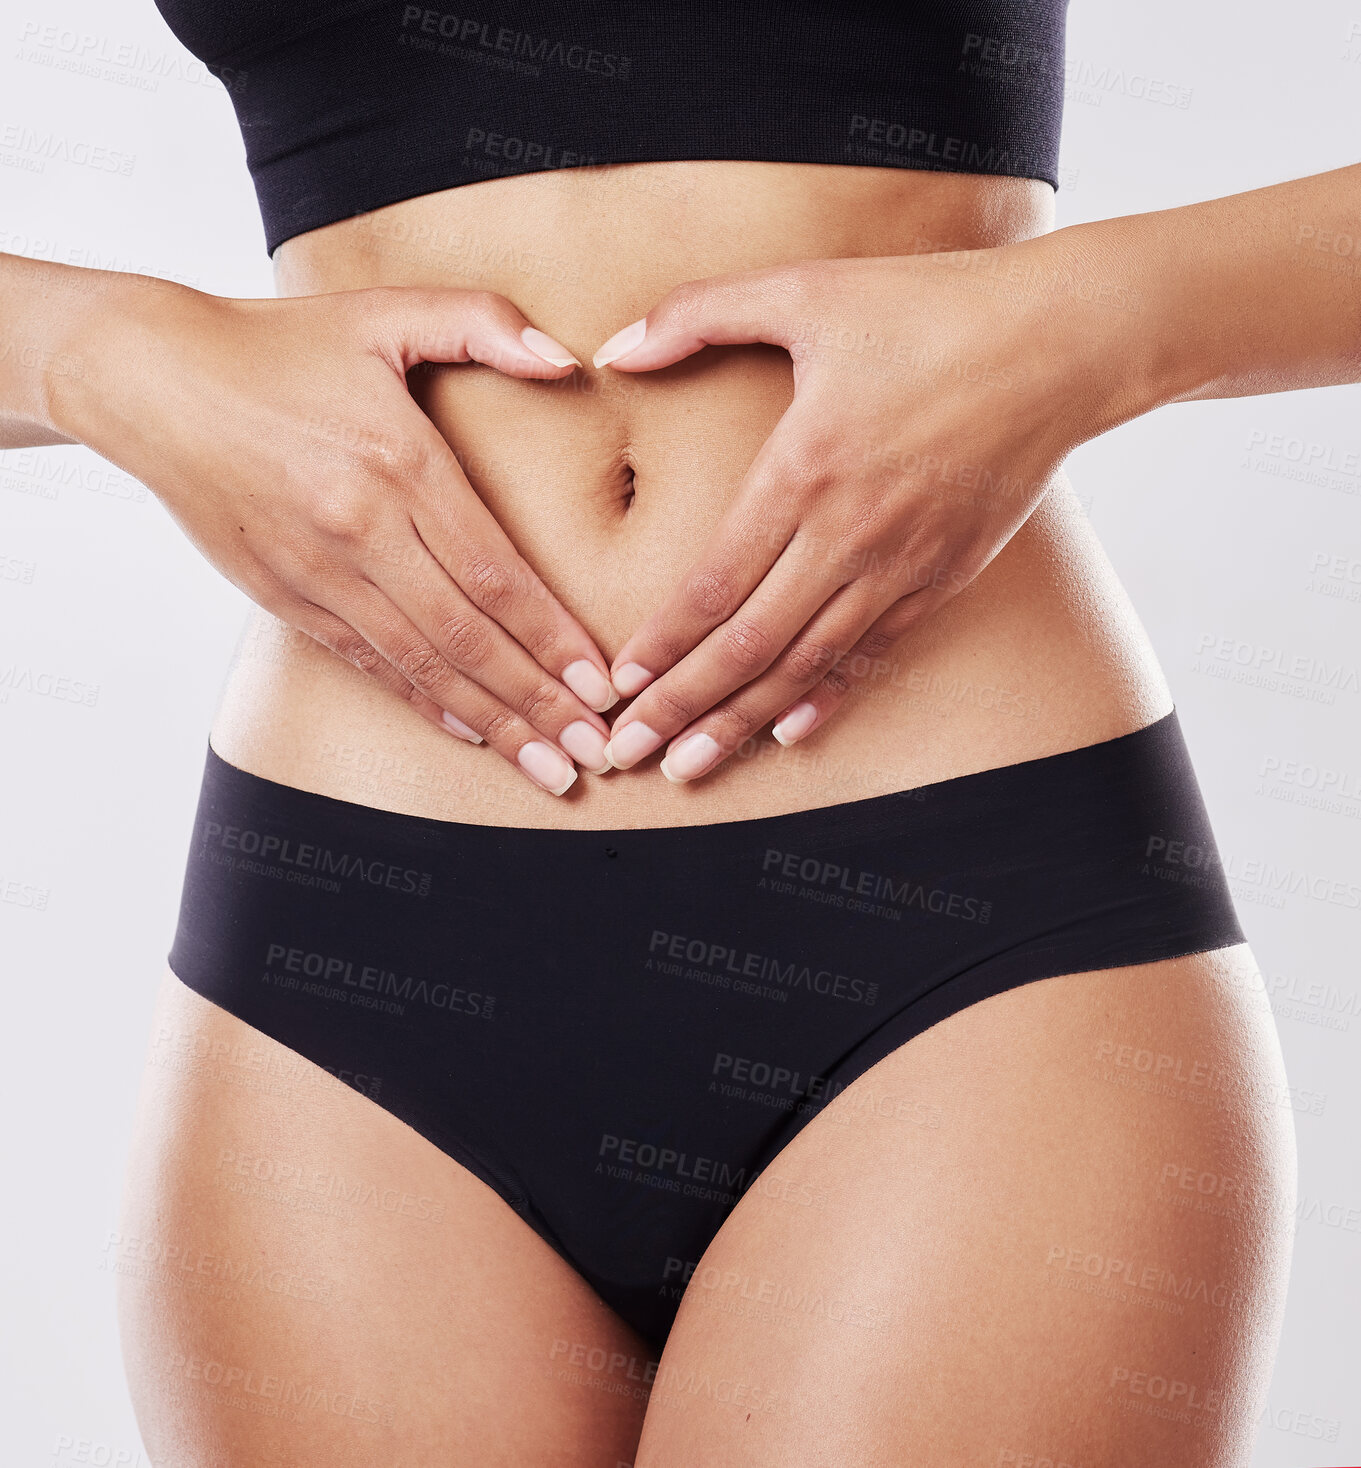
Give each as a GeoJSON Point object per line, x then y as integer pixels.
{"type": "Point", "coordinates": [1025, 1278]}
{"type": "Point", "coordinates": [339, 1292]}
{"type": "Point", "coordinates": [609, 484]}
{"type": "Point", "coordinates": [1025, 1232]}
{"type": "Point", "coordinates": [282, 437]}
{"type": "Point", "coordinates": [608, 492]}
{"type": "Point", "coordinates": [473, 1339]}
{"type": "Point", "coordinates": [837, 541]}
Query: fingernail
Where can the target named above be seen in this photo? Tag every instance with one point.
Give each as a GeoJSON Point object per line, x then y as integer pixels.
{"type": "Point", "coordinates": [633, 742]}
{"type": "Point", "coordinates": [457, 726]}
{"type": "Point", "coordinates": [796, 723]}
{"type": "Point", "coordinates": [690, 757]}
{"type": "Point", "coordinates": [631, 678]}
{"type": "Point", "coordinates": [586, 745]}
{"type": "Point", "coordinates": [590, 685]}
{"type": "Point", "coordinates": [621, 343]}
{"type": "Point", "coordinates": [543, 345]}
{"type": "Point", "coordinates": [545, 766]}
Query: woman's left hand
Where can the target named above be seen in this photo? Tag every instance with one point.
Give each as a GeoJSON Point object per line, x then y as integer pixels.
{"type": "Point", "coordinates": [934, 398]}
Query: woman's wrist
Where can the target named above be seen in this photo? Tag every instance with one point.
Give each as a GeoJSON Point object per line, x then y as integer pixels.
{"type": "Point", "coordinates": [63, 325]}
{"type": "Point", "coordinates": [106, 315]}
{"type": "Point", "coordinates": [1065, 329]}
{"type": "Point", "coordinates": [32, 351]}
{"type": "Point", "coordinates": [1212, 300]}
{"type": "Point", "coordinates": [1099, 324]}
{"type": "Point", "coordinates": [1149, 349]}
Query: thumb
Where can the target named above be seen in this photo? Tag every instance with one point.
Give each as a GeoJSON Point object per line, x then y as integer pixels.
{"type": "Point", "coordinates": [722, 311]}
{"type": "Point", "coordinates": [467, 326]}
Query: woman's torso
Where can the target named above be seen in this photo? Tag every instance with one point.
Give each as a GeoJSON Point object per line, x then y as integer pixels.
{"type": "Point", "coordinates": [609, 485]}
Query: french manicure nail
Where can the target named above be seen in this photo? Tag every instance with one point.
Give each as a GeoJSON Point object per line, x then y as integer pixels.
{"type": "Point", "coordinates": [690, 757]}
{"type": "Point", "coordinates": [586, 744]}
{"type": "Point", "coordinates": [621, 343]}
{"type": "Point", "coordinates": [543, 345]}
{"type": "Point", "coordinates": [590, 685]}
{"type": "Point", "coordinates": [631, 678]}
{"type": "Point", "coordinates": [457, 726]}
{"type": "Point", "coordinates": [796, 723]}
{"type": "Point", "coordinates": [633, 742]}
{"type": "Point", "coordinates": [546, 766]}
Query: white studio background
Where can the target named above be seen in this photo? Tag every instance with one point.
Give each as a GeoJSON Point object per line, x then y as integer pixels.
{"type": "Point", "coordinates": [1234, 526]}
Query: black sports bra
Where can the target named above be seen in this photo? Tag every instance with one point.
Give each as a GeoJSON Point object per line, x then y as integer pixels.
{"type": "Point", "coordinates": [346, 105]}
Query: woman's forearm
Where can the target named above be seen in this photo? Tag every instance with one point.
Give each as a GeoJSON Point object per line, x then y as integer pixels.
{"type": "Point", "coordinates": [1254, 293]}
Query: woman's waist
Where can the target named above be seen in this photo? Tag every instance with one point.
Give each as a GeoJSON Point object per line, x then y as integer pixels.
{"type": "Point", "coordinates": [610, 484]}
{"type": "Point", "coordinates": [608, 481]}
{"type": "Point", "coordinates": [1041, 654]}
{"type": "Point", "coordinates": [589, 243]}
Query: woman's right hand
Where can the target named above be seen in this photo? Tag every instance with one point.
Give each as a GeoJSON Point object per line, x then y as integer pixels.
{"type": "Point", "coordinates": [281, 436]}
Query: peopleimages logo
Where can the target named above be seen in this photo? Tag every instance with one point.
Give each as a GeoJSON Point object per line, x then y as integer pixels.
{"type": "Point", "coordinates": [900, 893]}
{"type": "Point", "coordinates": [383, 988]}
{"type": "Point", "coordinates": [783, 976]}
{"type": "Point", "coordinates": [470, 32]}
{"type": "Point", "coordinates": [940, 150]}
{"type": "Point", "coordinates": [303, 861]}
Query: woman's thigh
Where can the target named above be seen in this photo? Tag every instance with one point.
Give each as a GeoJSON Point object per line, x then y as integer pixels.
{"type": "Point", "coordinates": [304, 1280]}
{"type": "Point", "coordinates": [1054, 1229]}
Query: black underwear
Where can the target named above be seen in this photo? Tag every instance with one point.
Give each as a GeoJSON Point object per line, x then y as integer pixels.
{"type": "Point", "coordinates": [619, 1030]}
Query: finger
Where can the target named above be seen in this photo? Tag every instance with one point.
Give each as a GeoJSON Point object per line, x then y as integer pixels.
{"type": "Point", "coordinates": [271, 594]}
{"type": "Point", "coordinates": [464, 538]}
{"type": "Point", "coordinates": [384, 628]}
{"type": "Point", "coordinates": [465, 639]}
{"type": "Point", "coordinates": [340, 638]}
{"type": "Point", "coordinates": [738, 651]}
{"type": "Point", "coordinates": [864, 662]}
{"type": "Point", "coordinates": [755, 530]}
{"type": "Point", "coordinates": [724, 310]}
{"type": "Point", "coordinates": [432, 325]}
{"type": "Point", "coordinates": [810, 656]}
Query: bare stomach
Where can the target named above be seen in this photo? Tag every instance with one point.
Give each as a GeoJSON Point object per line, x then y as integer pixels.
{"type": "Point", "coordinates": [609, 484]}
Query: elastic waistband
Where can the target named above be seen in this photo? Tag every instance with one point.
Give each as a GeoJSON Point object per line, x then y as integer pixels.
{"type": "Point", "coordinates": [1131, 768]}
